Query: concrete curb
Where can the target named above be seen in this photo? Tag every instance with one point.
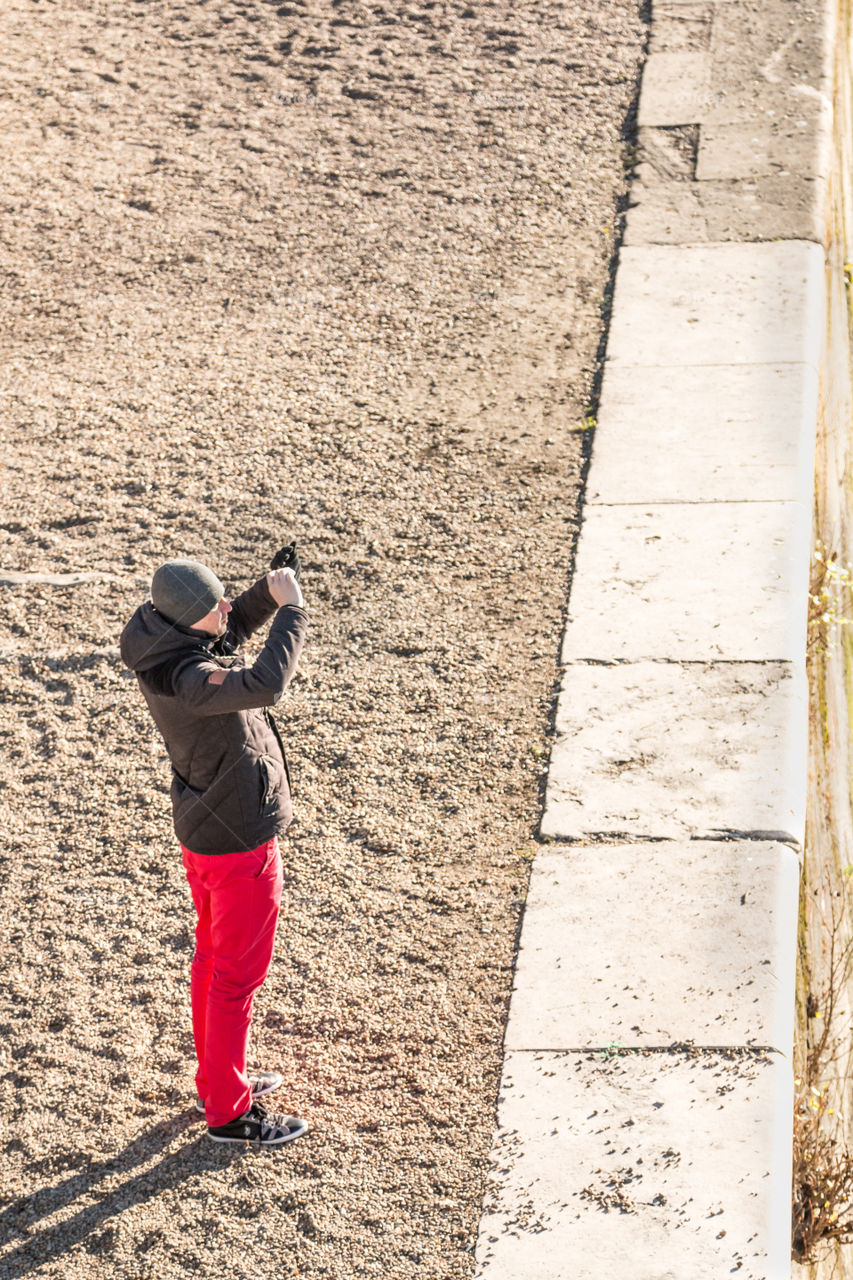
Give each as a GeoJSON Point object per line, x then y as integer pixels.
{"type": "Point", "coordinates": [614, 1164]}
{"type": "Point", "coordinates": [661, 750]}
{"type": "Point", "coordinates": [721, 973]}
{"type": "Point", "coordinates": [760, 413]}
{"type": "Point", "coordinates": [645, 1113]}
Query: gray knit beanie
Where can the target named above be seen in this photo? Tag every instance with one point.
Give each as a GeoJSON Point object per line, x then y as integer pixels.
{"type": "Point", "coordinates": [185, 591]}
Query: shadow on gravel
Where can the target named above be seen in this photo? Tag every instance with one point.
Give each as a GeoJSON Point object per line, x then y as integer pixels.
{"type": "Point", "coordinates": [91, 1223]}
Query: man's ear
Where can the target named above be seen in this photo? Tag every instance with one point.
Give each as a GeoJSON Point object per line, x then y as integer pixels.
{"type": "Point", "coordinates": [217, 677]}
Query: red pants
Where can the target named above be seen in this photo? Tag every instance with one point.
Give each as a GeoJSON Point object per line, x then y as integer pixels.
{"type": "Point", "coordinates": [237, 897]}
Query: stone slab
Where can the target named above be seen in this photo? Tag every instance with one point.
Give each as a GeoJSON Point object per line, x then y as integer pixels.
{"type": "Point", "coordinates": [746, 158]}
{"type": "Point", "coordinates": [723, 433]}
{"type": "Point", "coordinates": [691, 582]}
{"type": "Point", "coordinates": [718, 304]}
{"type": "Point", "coordinates": [675, 88]}
{"type": "Point", "coordinates": [682, 27]}
{"type": "Point", "coordinates": [752, 148]}
{"type": "Point", "coordinates": [767, 59]}
{"type": "Point", "coordinates": [668, 207]}
{"type": "Point", "coordinates": [658, 944]}
{"type": "Point", "coordinates": [657, 1166]}
{"type": "Point", "coordinates": [664, 749]}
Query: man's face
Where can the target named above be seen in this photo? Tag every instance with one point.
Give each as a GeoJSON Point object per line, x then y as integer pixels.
{"type": "Point", "coordinates": [215, 622]}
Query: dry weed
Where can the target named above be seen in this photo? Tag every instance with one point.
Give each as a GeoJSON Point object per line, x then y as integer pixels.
{"type": "Point", "coordinates": [823, 1164]}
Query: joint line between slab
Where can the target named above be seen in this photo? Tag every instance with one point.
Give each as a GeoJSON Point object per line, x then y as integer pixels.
{"type": "Point", "coordinates": [697, 502]}
{"type": "Point", "coordinates": [678, 1046]}
{"type": "Point", "coordinates": [722, 364]}
{"type": "Point", "coordinates": [613, 363]}
{"type": "Point", "coordinates": [720, 835]}
{"type": "Point", "coordinates": [684, 662]}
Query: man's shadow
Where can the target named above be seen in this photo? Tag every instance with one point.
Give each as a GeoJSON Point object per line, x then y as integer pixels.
{"type": "Point", "coordinates": [38, 1246]}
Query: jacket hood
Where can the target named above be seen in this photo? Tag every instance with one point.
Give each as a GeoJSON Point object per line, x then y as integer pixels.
{"type": "Point", "coordinates": [149, 639]}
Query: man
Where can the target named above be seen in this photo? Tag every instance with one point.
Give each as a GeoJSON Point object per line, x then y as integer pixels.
{"type": "Point", "coordinates": [230, 802]}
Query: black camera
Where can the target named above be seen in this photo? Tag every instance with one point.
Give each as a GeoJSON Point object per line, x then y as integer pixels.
{"type": "Point", "coordinates": [287, 558]}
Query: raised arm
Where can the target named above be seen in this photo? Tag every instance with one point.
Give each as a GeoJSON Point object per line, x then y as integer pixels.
{"type": "Point", "coordinates": [209, 690]}
{"type": "Point", "coordinates": [250, 610]}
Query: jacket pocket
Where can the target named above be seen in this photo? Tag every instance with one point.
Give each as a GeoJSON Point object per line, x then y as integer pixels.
{"type": "Point", "coordinates": [270, 775]}
{"type": "Point", "coordinates": [270, 719]}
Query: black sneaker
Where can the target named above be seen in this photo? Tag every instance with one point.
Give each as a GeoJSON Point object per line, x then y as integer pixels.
{"type": "Point", "coordinates": [259, 1126]}
{"type": "Point", "coordinates": [262, 1082]}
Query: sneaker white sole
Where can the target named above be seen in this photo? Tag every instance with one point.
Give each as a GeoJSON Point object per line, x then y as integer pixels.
{"type": "Point", "coordinates": [258, 1142]}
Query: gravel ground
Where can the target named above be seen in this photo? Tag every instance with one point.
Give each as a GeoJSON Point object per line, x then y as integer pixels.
{"type": "Point", "coordinates": [331, 271]}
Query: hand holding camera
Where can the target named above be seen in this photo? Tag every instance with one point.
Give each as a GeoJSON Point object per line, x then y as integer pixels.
{"type": "Point", "coordinates": [283, 578]}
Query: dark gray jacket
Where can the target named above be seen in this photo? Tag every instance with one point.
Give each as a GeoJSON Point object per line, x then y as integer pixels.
{"type": "Point", "coordinates": [230, 782]}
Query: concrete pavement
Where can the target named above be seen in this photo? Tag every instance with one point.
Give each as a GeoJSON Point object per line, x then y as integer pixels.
{"type": "Point", "coordinates": [645, 1112]}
